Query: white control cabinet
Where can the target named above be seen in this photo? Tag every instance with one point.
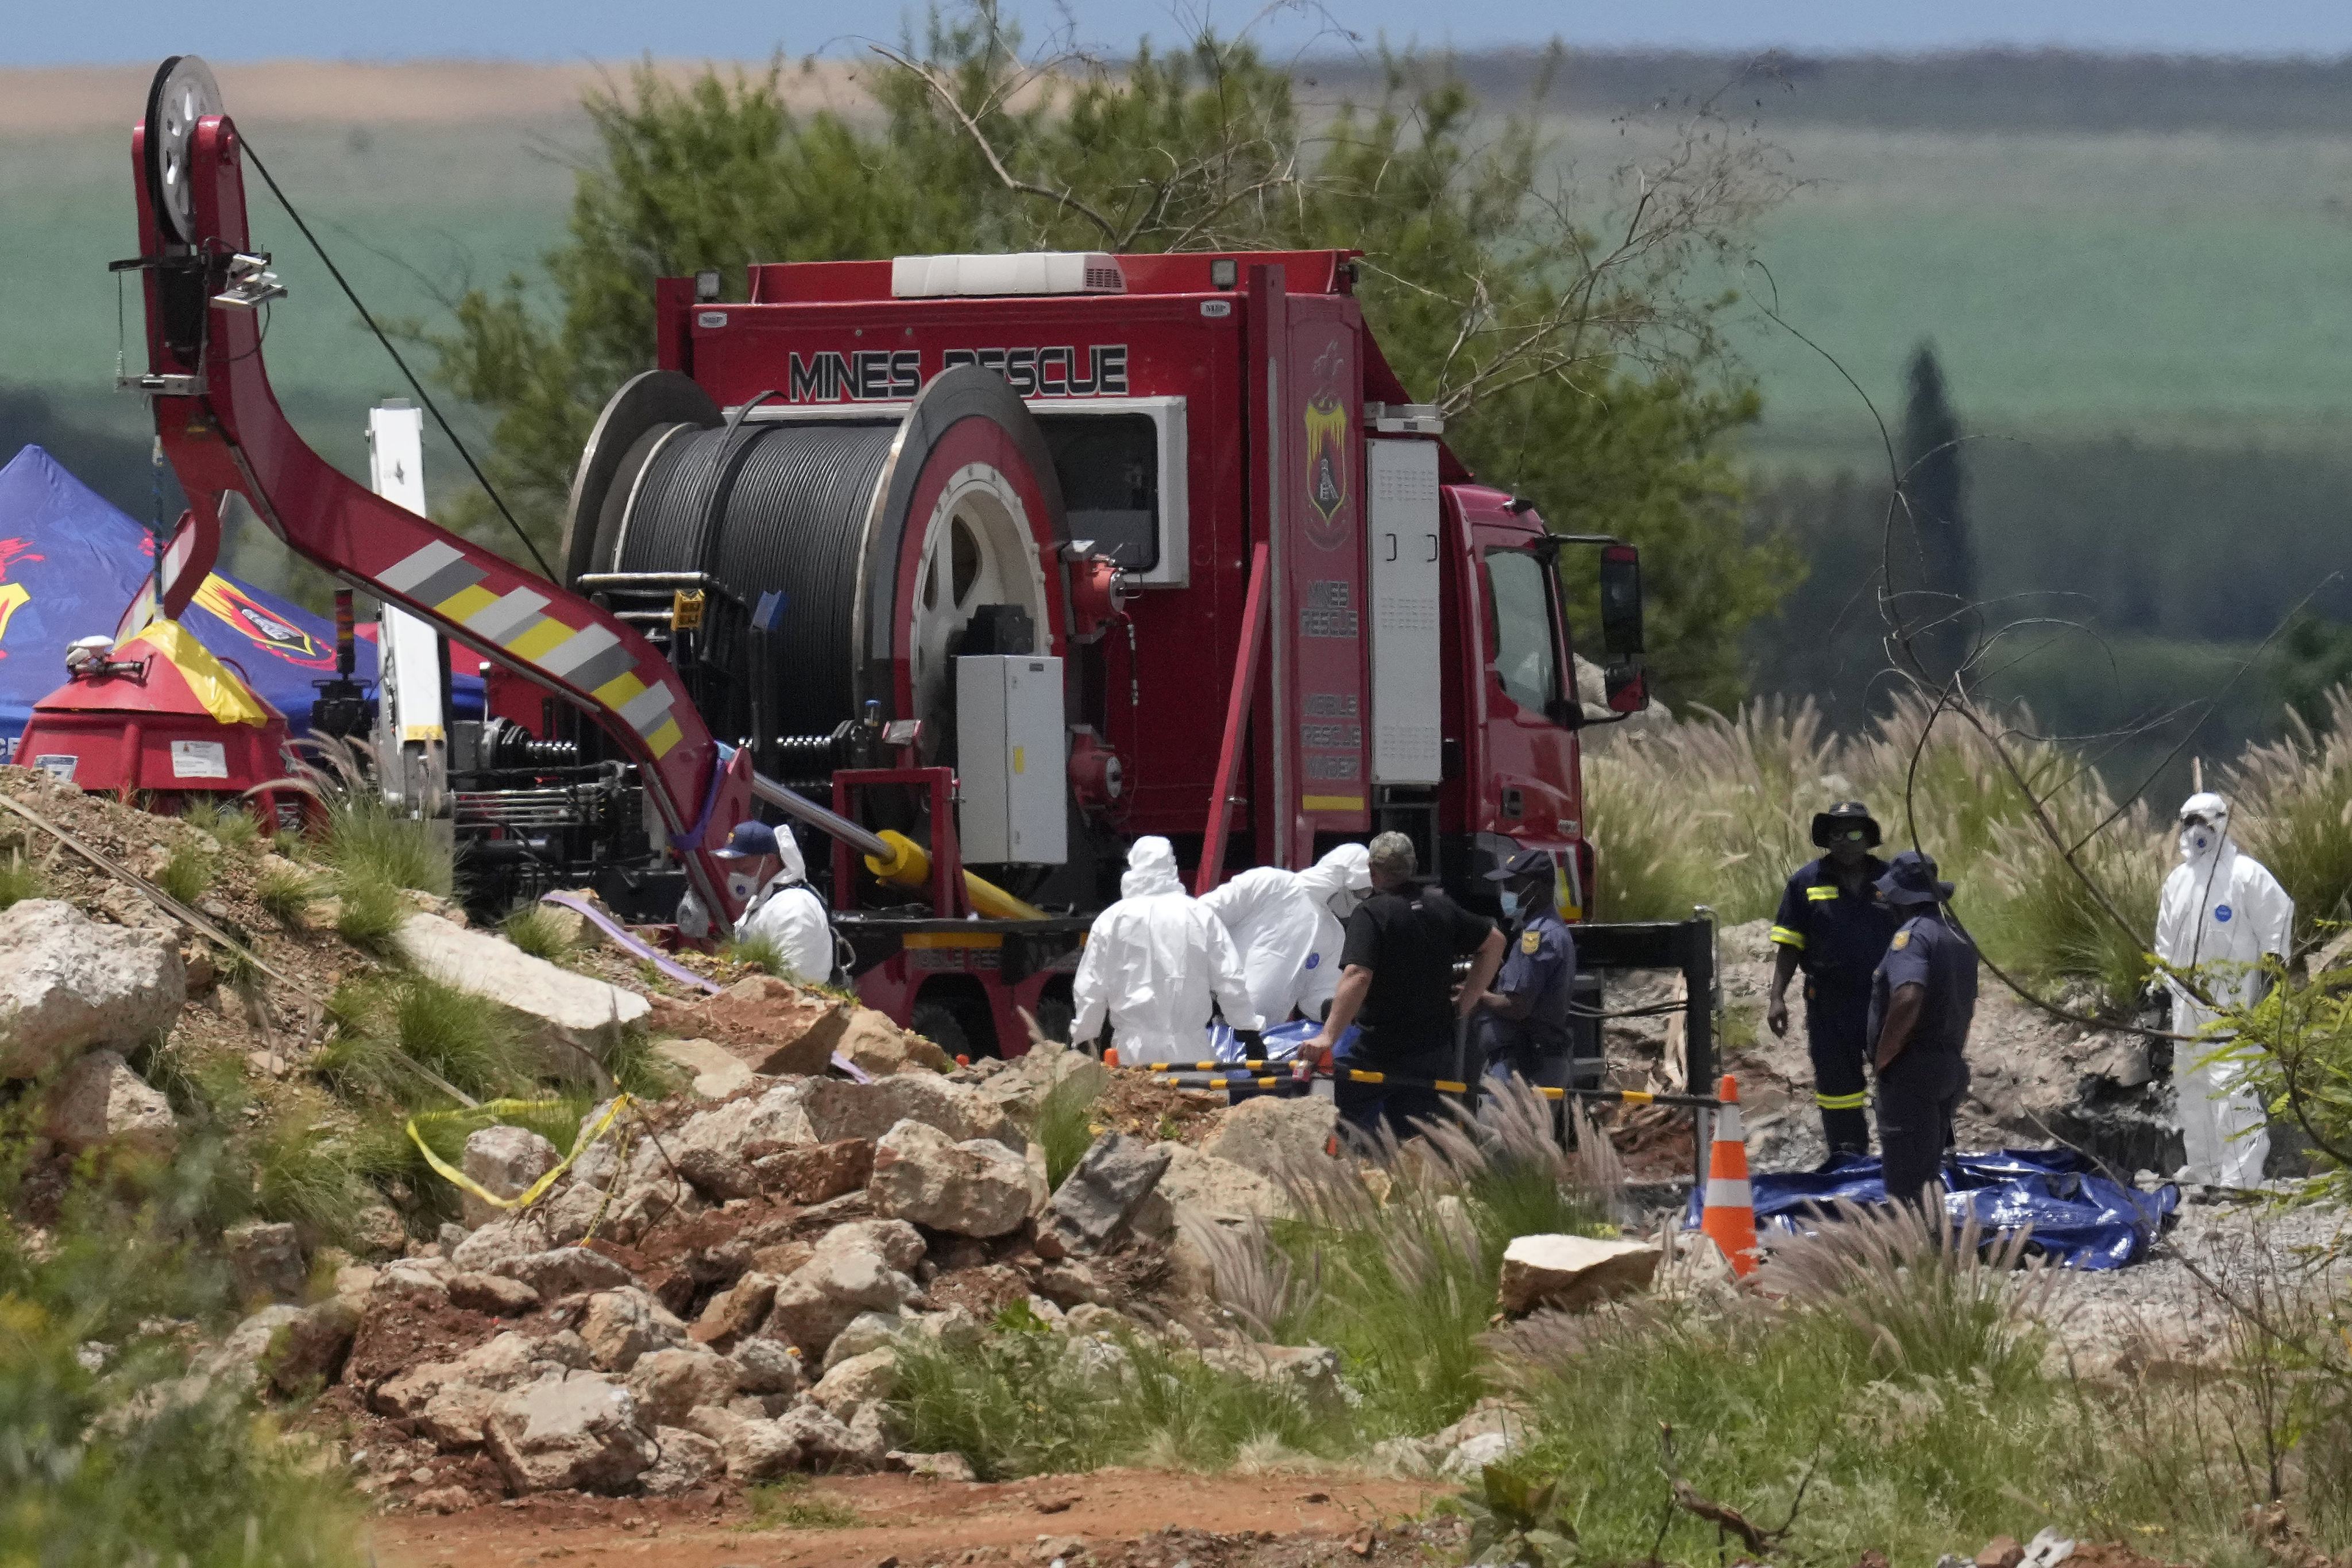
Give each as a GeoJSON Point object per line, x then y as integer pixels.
{"type": "Point", "coordinates": [1010, 758]}
{"type": "Point", "coordinates": [1401, 525]}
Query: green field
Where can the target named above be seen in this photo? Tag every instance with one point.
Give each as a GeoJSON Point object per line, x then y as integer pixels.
{"type": "Point", "coordinates": [2149, 320]}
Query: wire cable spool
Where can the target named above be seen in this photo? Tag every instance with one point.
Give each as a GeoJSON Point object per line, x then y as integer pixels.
{"type": "Point", "coordinates": [884, 536]}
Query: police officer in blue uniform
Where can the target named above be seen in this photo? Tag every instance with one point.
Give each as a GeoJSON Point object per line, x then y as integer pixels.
{"type": "Point", "coordinates": [1833, 924]}
{"type": "Point", "coordinates": [1526, 1010]}
{"type": "Point", "coordinates": [1923, 997]}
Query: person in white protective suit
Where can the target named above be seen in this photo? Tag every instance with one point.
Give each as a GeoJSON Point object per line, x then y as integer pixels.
{"type": "Point", "coordinates": [2221, 913]}
{"type": "Point", "coordinates": [1290, 928]}
{"type": "Point", "coordinates": [1154, 963]}
{"type": "Point", "coordinates": [766, 870]}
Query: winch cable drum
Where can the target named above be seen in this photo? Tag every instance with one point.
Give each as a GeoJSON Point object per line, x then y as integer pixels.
{"type": "Point", "coordinates": [882, 535]}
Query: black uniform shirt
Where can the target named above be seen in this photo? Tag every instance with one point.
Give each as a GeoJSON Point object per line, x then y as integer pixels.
{"type": "Point", "coordinates": [1838, 935]}
{"type": "Point", "coordinates": [1927, 951]}
{"type": "Point", "coordinates": [1409, 945]}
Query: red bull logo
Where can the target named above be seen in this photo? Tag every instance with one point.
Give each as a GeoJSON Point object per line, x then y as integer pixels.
{"type": "Point", "coordinates": [254, 621]}
{"type": "Point", "coordinates": [13, 596]}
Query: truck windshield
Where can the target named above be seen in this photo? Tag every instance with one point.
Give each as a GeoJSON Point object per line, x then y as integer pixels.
{"type": "Point", "coordinates": [1520, 618]}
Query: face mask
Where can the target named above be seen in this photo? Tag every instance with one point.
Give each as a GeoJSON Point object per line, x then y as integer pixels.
{"type": "Point", "coordinates": [740, 887]}
{"type": "Point", "coordinates": [1510, 903]}
{"type": "Point", "coordinates": [2195, 841]}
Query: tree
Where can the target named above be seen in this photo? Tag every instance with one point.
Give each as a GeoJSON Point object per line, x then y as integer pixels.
{"type": "Point", "coordinates": [1931, 562]}
{"type": "Point", "coordinates": [1557, 325]}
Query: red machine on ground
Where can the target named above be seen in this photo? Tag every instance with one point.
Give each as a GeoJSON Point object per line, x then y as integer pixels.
{"type": "Point", "coordinates": [987, 560]}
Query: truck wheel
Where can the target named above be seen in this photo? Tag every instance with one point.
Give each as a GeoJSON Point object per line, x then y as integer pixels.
{"type": "Point", "coordinates": [938, 1024]}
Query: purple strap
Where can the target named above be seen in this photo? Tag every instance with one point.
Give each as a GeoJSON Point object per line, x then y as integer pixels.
{"type": "Point", "coordinates": [629, 942]}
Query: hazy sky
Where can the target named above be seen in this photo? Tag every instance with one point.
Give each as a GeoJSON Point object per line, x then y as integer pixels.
{"type": "Point", "coordinates": [138, 30]}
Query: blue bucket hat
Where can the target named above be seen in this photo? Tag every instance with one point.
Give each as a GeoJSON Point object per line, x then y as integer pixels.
{"type": "Point", "coordinates": [1911, 879]}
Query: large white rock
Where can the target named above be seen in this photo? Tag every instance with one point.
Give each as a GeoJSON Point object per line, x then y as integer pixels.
{"type": "Point", "coordinates": [860, 1380]}
{"type": "Point", "coordinates": [716, 1072]}
{"type": "Point", "coordinates": [1266, 1134]}
{"type": "Point", "coordinates": [68, 984]}
{"type": "Point", "coordinates": [750, 1449]}
{"type": "Point", "coordinates": [977, 1187]}
{"type": "Point", "coordinates": [669, 1383]}
{"type": "Point", "coordinates": [573, 1431]}
{"type": "Point", "coordinates": [686, 1459]}
{"type": "Point", "coordinates": [857, 1267]}
{"type": "Point", "coordinates": [99, 1102]}
{"type": "Point", "coordinates": [1205, 1189]}
{"type": "Point", "coordinates": [505, 1161]}
{"type": "Point", "coordinates": [623, 1324]}
{"type": "Point", "coordinates": [1572, 1272]}
{"type": "Point", "coordinates": [570, 1007]}
{"type": "Point", "coordinates": [709, 1150]}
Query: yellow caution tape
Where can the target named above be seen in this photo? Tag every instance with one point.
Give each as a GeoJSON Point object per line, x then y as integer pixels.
{"type": "Point", "coordinates": [493, 1110]}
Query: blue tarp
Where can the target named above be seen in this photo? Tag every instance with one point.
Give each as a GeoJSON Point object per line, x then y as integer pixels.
{"type": "Point", "coordinates": [2082, 1219]}
{"type": "Point", "coordinates": [70, 563]}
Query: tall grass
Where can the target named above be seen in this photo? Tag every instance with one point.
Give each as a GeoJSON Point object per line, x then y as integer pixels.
{"type": "Point", "coordinates": [2291, 807]}
{"type": "Point", "coordinates": [1028, 1401]}
{"type": "Point", "coordinates": [383, 1025]}
{"type": "Point", "coordinates": [1718, 811]}
{"type": "Point", "coordinates": [1889, 1375]}
{"type": "Point", "coordinates": [1403, 1285]}
{"type": "Point", "coordinates": [21, 879]}
{"type": "Point", "coordinates": [231, 828]}
{"type": "Point", "coordinates": [537, 930]}
{"type": "Point", "coordinates": [1063, 1128]}
{"type": "Point", "coordinates": [368, 842]}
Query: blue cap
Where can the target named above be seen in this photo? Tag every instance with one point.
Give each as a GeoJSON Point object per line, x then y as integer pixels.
{"type": "Point", "coordinates": [1525, 863]}
{"type": "Point", "coordinates": [750, 839]}
{"type": "Point", "coordinates": [1911, 879]}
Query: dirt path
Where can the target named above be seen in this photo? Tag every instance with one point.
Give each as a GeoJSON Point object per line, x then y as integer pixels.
{"type": "Point", "coordinates": [1130, 1517]}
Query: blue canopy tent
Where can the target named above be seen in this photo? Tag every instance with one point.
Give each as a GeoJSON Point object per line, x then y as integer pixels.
{"type": "Point", "coordinates": [70, 563]}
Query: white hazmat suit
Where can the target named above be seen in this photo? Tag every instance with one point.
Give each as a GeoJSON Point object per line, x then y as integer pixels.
{"type": "Point", "coordinates": [787, 911]}
{"type": "Point", "coordinates": [2221, 913]}
{"type": "Point", "coordinates": [1154, 961]}
{"type": "Point", "coordinates": [1287, 926]}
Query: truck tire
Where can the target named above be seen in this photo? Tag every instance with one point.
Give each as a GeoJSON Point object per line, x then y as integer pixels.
{"type": "Point", "coordinates": [937, 1023]}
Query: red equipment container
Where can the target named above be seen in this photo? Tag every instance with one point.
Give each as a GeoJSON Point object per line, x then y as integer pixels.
{"type": "Point", "coordinates": [162, 719]}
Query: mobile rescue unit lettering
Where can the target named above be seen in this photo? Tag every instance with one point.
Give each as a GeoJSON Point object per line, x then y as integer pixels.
{"type": "Point", "coordinates": [874, 375]}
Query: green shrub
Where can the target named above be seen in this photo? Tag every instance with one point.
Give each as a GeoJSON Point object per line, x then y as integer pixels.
{"type": "Point", "coordinates": [188, 871]}
{"type": "Point", "coordinates": [764, 953]}
{"type": "Point", "coordinates": [638, 1068]}
{"type": "Point", "coordinates": [369, 843]}
{"type": "Point", "coordinates": [286, 894]}
{"type": "Point", "coordinates": [382, 1029]}
{"type": "Point", "coordinates": [21, 877]}
{"type": "Point", "coordinates": [369, 913]}
{"type": "Point", "coordinates": [231, 827]}
{"type": "Point", "coordinates": [302, 1176]}
{"type": "Point", "coordinates": [539, 930]}
{"type": "Point", "coordinates": [1065, 1127]}
{"type": "Point", "coordinates": [194, 1478]}
{"type": "Point", "coordinates": [1026, 1401]}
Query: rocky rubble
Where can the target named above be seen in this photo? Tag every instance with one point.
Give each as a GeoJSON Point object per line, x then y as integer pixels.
{"type": "Point", "coordinates": [2036, 1081]}
{"type": "Point", "coordinates": [756, 1265]}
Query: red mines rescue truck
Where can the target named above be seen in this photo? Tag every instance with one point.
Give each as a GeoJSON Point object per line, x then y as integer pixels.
{"type": "Point", "coordinates": [963, 561]}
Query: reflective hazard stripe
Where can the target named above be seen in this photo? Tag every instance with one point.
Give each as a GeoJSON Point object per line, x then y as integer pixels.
{"type": "Point", "coordinates": [1787, 938]}
{"type": "Point", "coordinates": [1819, 894]}
{"type": "Point", "coordinates": [1728, 1129]}
{"type": "Point", "coordinates": [1729, 1192]}
{"type": "Point", "coordinates": [1842, 1101]}
{"type": "Point", "coordinates": [588, 657]}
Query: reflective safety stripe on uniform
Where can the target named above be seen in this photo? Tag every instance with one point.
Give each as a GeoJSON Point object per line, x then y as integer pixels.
{"type": "Point", "coordinates": [1821, 894]}
{"type": "Point", "coordinates": [590, 659]}
{"type": "Point", "coordinates": [1856, 1102]}
{"type": "Point", "coordinates": [1787, 938]}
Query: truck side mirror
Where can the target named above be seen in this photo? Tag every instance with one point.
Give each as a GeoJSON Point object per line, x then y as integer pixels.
{"type": "Point", "coordinates": [1621, 627]}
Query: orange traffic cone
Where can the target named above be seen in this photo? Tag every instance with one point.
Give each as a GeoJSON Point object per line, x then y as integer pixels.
{"type": "Point", "coordinates": [1729, 1217]}
{"type": "Point", "coordinates": [1110, 1056]}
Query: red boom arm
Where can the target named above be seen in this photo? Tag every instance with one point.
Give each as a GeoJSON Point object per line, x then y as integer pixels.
{"type": "Point", "coordinates": [226, 436]}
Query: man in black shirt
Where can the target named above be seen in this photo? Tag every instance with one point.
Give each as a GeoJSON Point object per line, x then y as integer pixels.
{"type": "Point", "coordinates": [1396, 983]}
